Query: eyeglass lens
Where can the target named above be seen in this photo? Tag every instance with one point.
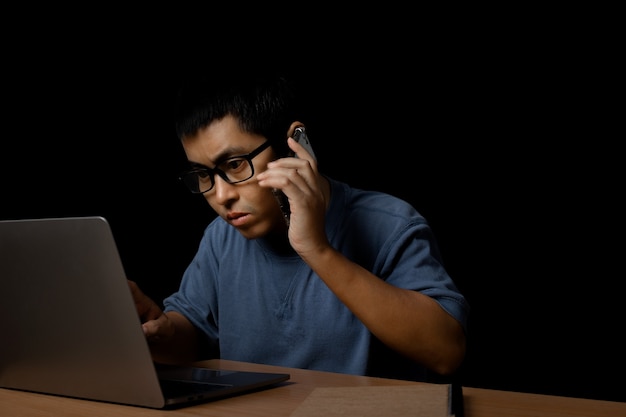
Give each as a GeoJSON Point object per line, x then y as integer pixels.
{"type": "Point", "coordinates": [232, 171]}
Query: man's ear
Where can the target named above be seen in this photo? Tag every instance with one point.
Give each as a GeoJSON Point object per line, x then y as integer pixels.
{"type": "Point", "coordinates": [293, 127]}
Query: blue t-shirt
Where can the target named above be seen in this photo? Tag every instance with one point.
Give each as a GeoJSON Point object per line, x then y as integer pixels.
{"type": "Point", "coordinates": [256, 305]}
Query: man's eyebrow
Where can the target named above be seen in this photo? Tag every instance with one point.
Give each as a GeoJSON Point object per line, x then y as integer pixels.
{"type": "Point", "coordinates": [221, 157]}
{"type": "Point", "coordinates": [228, 153]}
{"type": "Point", "coordinates": [196, 165]}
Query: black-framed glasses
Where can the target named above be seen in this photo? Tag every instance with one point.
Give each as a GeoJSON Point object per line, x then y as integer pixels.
{"type": "Point", "coordinates": [232, 170]}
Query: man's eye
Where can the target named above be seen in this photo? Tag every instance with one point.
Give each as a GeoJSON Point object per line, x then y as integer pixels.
{"type": "Point", "coordinates": [234, 164]}
{"type": "Point", "coordinates": [202, 174]}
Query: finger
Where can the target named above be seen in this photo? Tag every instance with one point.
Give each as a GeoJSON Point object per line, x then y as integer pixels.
{"type": "Point", "coordinates": [301, 151]}
{"type": "Point", "coordinates": [286, 177]}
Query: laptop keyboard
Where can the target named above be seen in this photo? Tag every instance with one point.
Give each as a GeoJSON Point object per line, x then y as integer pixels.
{"type": "Point", "coordinates": [175, 388]}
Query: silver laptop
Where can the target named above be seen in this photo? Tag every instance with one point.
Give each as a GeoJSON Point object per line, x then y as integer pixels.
{"type": "Point", "coordinates": [70, 328]}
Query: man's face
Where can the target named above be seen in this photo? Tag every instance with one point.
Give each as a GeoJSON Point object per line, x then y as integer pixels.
{"type": "Point", "coordinates": [251, 209]}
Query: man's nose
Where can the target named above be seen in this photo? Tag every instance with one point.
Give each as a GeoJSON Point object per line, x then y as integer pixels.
{"type": "Point", "coordinates": [223, 190]}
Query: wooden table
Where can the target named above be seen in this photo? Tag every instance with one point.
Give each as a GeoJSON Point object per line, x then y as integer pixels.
{"type": "Point", "coordinates": [284, 399]}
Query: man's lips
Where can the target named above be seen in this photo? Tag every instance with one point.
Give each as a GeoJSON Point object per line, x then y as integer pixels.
{"type": "Point", "coordinates": [237, 219]}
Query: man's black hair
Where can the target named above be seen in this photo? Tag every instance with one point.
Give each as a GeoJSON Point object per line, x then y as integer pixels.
{"type": "Point", "coordinates": [263, 103]}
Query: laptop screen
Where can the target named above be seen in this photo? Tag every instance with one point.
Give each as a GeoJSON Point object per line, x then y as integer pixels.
{"type": "Point", "coordinates": [72, 324]}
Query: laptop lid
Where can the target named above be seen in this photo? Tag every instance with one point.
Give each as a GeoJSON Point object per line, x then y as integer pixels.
{"type": "Point", "coordinates": [71, 327]}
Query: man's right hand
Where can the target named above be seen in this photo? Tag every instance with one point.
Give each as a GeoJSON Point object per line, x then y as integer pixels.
{"type": "Point", "coordinates": [154, 322]}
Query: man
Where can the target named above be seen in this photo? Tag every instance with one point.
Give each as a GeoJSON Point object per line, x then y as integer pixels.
{"type": "Point", "coordinates": [353, 284]}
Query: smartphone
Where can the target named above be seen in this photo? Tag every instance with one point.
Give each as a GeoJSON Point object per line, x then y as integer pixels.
{"type": "Point", "coordinates": [300, 136]}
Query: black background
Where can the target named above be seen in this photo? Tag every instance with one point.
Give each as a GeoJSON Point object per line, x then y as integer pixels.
{"type": "Point", "coordinates": [498, 136]}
